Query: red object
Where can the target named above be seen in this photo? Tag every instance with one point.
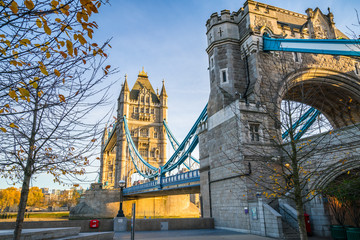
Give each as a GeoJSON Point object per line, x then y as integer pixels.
{"type": "Point", "coordinates": [307, 224]}
{"type": "Point", "coordinates": [94, 223]}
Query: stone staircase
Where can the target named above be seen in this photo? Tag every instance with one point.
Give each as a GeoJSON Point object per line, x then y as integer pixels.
{"type": "Point", "coordinates": [57, 234]}
{"type": "Point", "coordinates": [289, 232]}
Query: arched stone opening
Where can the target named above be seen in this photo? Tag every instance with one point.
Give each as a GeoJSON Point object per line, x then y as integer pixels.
{"type": "Point", "coordinates": [334, 94]}
{"type": "Point", "coordinates": [342, 196]}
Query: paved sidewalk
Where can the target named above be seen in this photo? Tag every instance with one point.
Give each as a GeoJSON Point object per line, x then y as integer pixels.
{"type": "Point", "coordinates": [202, 234]}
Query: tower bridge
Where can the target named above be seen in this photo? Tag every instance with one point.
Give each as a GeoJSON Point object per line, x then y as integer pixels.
{"type": "Point", "coordinates": [262, 59]}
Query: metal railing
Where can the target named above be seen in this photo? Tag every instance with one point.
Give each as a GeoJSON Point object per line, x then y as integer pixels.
{"type": "Point", "coordinates": [289, 217]}
{"type": "Point", "coordinates": [186, 177]}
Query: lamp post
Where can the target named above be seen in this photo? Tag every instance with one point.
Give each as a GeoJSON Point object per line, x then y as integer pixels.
{"type": "Point", "coordinates": [121, 212]}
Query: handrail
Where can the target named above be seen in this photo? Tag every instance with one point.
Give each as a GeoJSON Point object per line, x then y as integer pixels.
{"type": "Point", "coordinates": [289, 218]}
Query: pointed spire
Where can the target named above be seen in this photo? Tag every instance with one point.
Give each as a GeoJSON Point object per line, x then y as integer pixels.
{"type": "Point", "coordinates": [142, 73]}
{"type": "Point", "coordinates": [126, 86]}
{"type": "Point", "coordinates": [163, 91]}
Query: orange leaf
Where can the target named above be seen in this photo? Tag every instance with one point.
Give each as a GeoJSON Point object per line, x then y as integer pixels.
{"type": "Point", "coordinates": [29, 4]}
{"type": "Point", "coordinates": [62, 98]}
{"type": "Point", "coordinates": [3, 129]}
{"type": "Point", "coordinates": [57, 73]}
{"type": "Point", "coordinates": [14, 7]}
{"type": "Point", "coordinates": [47, 29]}
{"type": "Point", "coordinates": [63, 54]}
{"type": "Point", "coordinates": [38, 23]}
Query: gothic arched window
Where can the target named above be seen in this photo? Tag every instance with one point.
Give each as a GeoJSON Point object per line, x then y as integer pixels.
{"type": "Point", "coordinates": [144, 132]}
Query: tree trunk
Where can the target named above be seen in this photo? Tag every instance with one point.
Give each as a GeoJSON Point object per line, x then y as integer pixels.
{"type": "Point", "coordinates": [300, 217]}
{"type": "Point", "coordinates": [22, 206]}
{"type": "Point", "coordinates": [27, 174]}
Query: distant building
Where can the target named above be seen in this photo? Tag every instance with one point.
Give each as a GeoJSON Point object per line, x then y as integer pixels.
{"type": "Point", "coordinates": [145, 111]}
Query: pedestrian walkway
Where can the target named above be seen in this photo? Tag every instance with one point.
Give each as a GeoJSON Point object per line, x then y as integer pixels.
{"type": "Point", "coordinates": [201, 234]}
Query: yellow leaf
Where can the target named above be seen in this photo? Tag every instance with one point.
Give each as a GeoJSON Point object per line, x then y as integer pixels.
{"type": "Point", "coordinates": [54, 3]}
{"type": "Point", "coordinates": [24, 92]}
{"type": "Point", "coordinates": [47, 29]}
{"type": "Point", "coordinates": [58, 20]}
{"type": "Point", "coordinates": [33, 84]}
{"type": "Point", "coordinates": [82, 40]}
{"type": "Point", "coordinates": [62, 98]}
{"type": "Point", "coordinates": [48, 54]}
{"type": "Point", "coordinates": [29, 4]}
{"type": "Point", "coordinates": [24, 41]}
{"type": "Point", "coordinates": [69, 47]}
{"type": "Point", "coordinates": [93, 140]}
{"type": "Point", "coordinates": [3, 129]}
{"type": "Point", "coordinates": [43, 69]}
{"type": "Point", "coordinates": [14, 7]}
{"type": "Point", "coordinates": [12, 125]}
{"type": "Point", "coordinates": [12, 94]}
{"type": "Point", "coordinates": [57, 73]}
{"type": "Point", "coordinates": [38, 23]}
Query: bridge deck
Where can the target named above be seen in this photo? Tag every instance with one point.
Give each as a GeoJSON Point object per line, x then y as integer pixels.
{"type": "Point", "coordinates": [183, 183]}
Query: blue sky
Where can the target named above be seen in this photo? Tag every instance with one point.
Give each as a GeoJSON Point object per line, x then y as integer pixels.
{"type": "Point", "coordinates": [167, 38]}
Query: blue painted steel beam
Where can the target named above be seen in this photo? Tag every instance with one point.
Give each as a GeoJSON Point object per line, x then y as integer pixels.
{"type": "Point", "coordinates": [173, 140]}
{"type": "Point", "coordinates": [296, 124]}
{"type": "Point", "coordinates": [344, 47]}
{"type": "Point", "coordinates": [307, 125]}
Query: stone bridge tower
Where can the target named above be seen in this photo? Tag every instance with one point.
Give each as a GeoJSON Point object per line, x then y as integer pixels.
{"type": "Point", "coordinates": [145, 111]}
{"type": "Point", "coordinates": [243, 78]}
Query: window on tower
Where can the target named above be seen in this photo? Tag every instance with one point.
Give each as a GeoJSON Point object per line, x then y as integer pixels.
{"type": "Point", "coordinates": [254, 132]}
{"type": "Point", "coordinates": [143, 152]}
{"type": "Point", "coordinates": [224, 76]}
{"type": "Point", "coordinates": [142, 99]}
{"type": "Point", "coordinates": [152, 111]}
{"type": "Point", "coordinates": [155, 134]}
{"type": "Point", "coordinates": [144, 132]}
{"type": "Point", "coordinates": [147, 99]}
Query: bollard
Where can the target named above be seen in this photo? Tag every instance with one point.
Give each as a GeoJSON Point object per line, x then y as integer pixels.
{"type": "Point", "coordinates": [133, 222]}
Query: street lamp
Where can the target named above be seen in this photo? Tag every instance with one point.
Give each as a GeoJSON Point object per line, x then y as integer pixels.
{"type": "Point", "coordinates": [121, 212]}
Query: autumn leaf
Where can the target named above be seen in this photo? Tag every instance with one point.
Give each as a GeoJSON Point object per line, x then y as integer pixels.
{"type": "Point", "coordinates": [47, 29]}
{"type": "Point", "coordinates": [82, 40]}
{"type": "Point", "coordinates": [13, 94]}
{"type": "Point", "coordinates": [62, 98]}
{"type": "Point", "coordinates": [29, 4]}
{"type": "Point", "coordinates": [93, 140]}
{"type": "Point", "coordinates": [69, 47]}
{"type": "Point", "coordinates": [12, 125]}
{"type": "Point", "coordinates": [63, 54]}
{"type": "Point", "coordinates": [24, 92]}
{"type": "Point", "coordinates": [38, 23]}
{"type": "Point", "coordinates": [43, 69]}
{"type": "Point", "coordinates": [57, 73]}
{"type": "Point", "coordinates": [54, 3]}
{"type": "Point", "coordinates": [14, 7]}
